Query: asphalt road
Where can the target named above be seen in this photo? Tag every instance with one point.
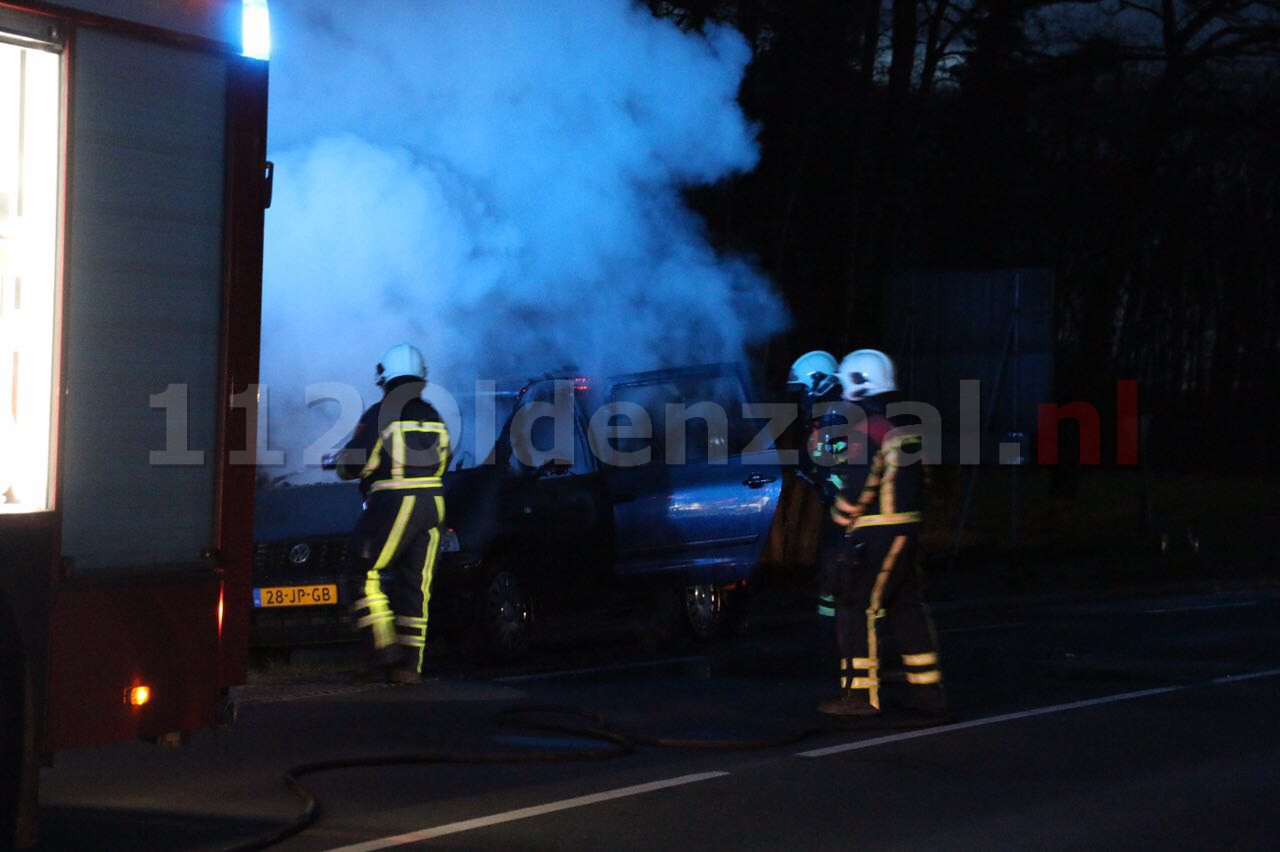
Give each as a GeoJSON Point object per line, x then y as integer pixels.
{"type": "Point", "coordinates": [1147, 723]}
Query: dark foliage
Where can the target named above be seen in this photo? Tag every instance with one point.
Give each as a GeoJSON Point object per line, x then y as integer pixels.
{"type": "Point", "coordinates": [1129, 145]}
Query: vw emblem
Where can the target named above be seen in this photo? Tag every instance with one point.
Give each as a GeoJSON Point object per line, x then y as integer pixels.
{"type": "Point", "coordinates": [300, 553]}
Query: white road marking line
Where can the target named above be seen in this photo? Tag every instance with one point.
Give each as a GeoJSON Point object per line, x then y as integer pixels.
{"type": "Point", "coordinates": [1249, 676]}
{"type": "Point", "coordinates": [525, 813]}
{"type": "Point", "coordinates": [639, 789]}
{"type": "Point", "coordinates": [1026, 714]}
{"type": "Point", "coordinates": [1203, 606]}
{"type": "Point", "coordinates": [617, 667]}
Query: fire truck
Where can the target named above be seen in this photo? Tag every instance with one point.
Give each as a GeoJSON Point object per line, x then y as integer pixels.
{"type": "Point", "coordinates": [133, 183]}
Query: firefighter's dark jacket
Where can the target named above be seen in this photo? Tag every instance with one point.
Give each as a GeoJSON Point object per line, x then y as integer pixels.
{"type": "Point", "coordinates": [400, 443]}
{"type": "Point", "coordinates": [820, 446]}
{"type": "Point", "coordinates": [880, 480]}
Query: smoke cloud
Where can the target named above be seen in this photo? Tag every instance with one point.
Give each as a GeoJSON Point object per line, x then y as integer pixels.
{"type": "Point", "coordinates": [497, 182]}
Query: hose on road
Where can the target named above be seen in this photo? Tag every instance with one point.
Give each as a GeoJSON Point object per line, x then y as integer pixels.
{"type": "Point", "coordinates": [570, 721]}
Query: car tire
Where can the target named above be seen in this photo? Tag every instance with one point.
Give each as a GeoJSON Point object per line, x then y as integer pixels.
{"type": "Point", "coordinates": [710, 611]}
{"type": "Point", "coordinates": [502, 619]}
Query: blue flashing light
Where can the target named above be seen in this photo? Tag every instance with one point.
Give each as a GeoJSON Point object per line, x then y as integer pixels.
{"type": "Point", "coordinates": [256, 29]}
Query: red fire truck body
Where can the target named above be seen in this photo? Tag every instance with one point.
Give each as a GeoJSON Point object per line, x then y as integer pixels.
{"type": "Point", "coordinates": [133, 183]}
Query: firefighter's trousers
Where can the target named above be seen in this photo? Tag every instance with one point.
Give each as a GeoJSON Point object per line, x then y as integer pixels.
{"type": "Point", "coordinates": [879, 581]}
{"type": "Point", "coordinates": [390, 561]}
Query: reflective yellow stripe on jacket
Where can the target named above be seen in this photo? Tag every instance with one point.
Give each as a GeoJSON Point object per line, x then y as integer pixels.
{"type": "Point", "coordinates": [401, 484]}
{"type": "Point", "coordinates": [851, 520]}
{"type": "Point", "coordinates": [392, 440]}
{"type": "Point", "coordinates": [887, 520]}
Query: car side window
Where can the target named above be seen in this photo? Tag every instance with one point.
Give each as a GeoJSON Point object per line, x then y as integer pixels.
{"type": "Point", "coordinates": [624, 433]}
{"type": "Point", "coordinates": [743, 430]}
{"type": "Point", "coordinates": [695, 418]}
{"type": "Point", "coordinates": [724, 431]}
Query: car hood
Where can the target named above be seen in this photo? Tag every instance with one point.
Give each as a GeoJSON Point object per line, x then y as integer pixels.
{"type": "Point", "coordinates": [308, 511]}
{"type": "Point", "coordinates": [304, 511]}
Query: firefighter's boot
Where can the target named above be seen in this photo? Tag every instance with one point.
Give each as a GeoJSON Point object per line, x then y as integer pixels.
{"type": "Point", "coordinates": [404, 676]}
{"type": "Point", "coordinates": [930, 699]}
{"type": "Point", "coordinates": [849, 703]}
{"type": "Point", "coordinates": [924, 683]}
{"type": "Point", "coordinates": [859, 688]}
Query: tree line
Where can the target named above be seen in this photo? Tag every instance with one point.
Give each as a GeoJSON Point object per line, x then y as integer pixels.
{"type": "Point", "coordinates": [1129, 145]}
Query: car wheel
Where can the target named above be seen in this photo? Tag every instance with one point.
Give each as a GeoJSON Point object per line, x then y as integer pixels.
{"type": "Point", "coordinates": [503, 618]}
{"type": "Point", "coordinates": [705, 611]}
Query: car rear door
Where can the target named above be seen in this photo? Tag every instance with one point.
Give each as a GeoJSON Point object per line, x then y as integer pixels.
{"type": "Point", "coordinates": [701, 506]}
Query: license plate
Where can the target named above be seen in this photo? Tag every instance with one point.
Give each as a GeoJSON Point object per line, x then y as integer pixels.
{"type": "Point", "coordinates": [296, 595]}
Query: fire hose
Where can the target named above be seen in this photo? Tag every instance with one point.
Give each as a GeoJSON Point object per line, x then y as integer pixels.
{"type": "Point", "coordinates": [551, 719]}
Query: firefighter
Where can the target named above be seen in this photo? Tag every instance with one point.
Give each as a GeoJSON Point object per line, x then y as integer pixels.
{"type": "Point", "coordinates": [870, 570]}
{"type": "Point", "coordinates": [398, 451]}
{"type": "Point", "coordinates": [814, 377]}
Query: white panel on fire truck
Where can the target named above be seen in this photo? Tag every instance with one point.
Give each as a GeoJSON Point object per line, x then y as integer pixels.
{"type": "Point", "coordinates": [143, 292]}
{"type": "Point", "coordinates": [218, 20]}
{"type": "Point", "coordinates": [30, 145]}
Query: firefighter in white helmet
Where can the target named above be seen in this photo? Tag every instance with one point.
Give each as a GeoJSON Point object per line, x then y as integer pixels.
{"type": "Point", "coordinates": [813, 376]}
{"type": "Point", "coordinates": [814, 373]}
{"type": "Point", "coordinates": [399, 452]}
{"type": "Point", "coordinates": [871, 575]}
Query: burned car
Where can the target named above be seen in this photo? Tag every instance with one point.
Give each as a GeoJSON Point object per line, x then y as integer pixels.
{"type": "Point", "coordinates": [566, 495]}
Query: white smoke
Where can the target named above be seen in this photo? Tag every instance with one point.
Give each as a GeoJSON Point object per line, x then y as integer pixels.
{"type": "Point", "coordinates": [497, 182]}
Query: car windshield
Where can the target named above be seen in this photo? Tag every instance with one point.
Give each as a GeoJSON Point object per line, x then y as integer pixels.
{"type": "Point", "coordinates": [474, 421]}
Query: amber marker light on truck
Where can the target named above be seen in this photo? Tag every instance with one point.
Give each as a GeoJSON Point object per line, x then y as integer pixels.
{"type": "Point", "coordinates": [137, 696]}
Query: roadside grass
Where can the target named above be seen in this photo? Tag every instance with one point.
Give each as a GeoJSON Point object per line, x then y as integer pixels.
{"type": "Point", "coordinates": [1122, 529]}
{"type": "Point", "coordinates": [284, 665]}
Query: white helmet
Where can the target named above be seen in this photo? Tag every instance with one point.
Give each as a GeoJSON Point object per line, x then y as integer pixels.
{"type": "Point", "coordinates": [401, 360]}
{"type": "Point", "coordinates": [814, 372]}
{"type": "Point", "coordinates": [866, 372]}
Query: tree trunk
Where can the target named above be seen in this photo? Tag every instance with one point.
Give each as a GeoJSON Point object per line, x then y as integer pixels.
{"type": "Point", "coordinates": [903, 60]}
